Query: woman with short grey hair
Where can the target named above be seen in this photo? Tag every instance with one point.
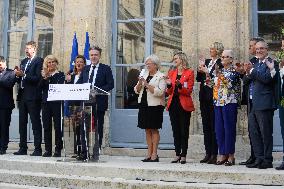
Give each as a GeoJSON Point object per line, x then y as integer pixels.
{"type": "Point", "coordinates": [151, 89]}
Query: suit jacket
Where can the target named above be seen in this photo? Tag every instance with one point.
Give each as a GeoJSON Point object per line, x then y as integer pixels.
{"type": "Point", "coordinates": [31, 81]}
{"type": "Point", "coordinates": [104, 80]}
{"type": "Point", "coordinates": [7, 81]}
{"type": "Point", "coordinates": [187, 82]}
{"type": "Point", "coordinates": [57, 78]}
{"type": "Point", "coordinates": [264, 87]}
{"type": "Point", "coordinates": [206, 92]}
{"type": "Point", "coordinates": [246, 83]}
{"type": "Point", "coordinates": [158, 97]}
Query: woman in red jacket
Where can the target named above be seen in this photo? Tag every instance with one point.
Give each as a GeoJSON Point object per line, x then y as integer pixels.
{"type": "Point", "coordinates": [179, 88]}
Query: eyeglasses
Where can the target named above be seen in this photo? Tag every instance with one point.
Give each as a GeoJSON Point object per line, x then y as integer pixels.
{"type": "Point", "coordinates": [226, 57]}
{"type": "Point", "coordinates": [260, 48]}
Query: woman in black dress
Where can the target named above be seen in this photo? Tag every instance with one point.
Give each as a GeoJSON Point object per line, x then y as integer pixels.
{"type": "Point", "coordinates": [151, 89]}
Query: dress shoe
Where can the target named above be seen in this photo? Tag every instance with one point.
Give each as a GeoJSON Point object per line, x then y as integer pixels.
{"type": "Point", "coordinates": [250, 160]}
{"type": "Point", "coordinates": [212, 160]}
{"type": "Point", "coordinates": [154, 160]}
{"type": "Point", "coordinates": [254, 165]}
{"type": "Point", "coordinates": [281, 167]}
{"type": "Point", "coordinates": [265, 165]}
{"type": "Point", "coordinates": [57, 154]}
{"type": "Point", "coordinates": [20, 152]}
{"type": "Point", "coordinates": [36, 153]}
{"type": "Point", "coordinates": [46, 154]}
{"type": "Point", "coordinates": [205, 159]}
{"type": "Point", "coordinates": [221, 162]}
{"type": "Point", "coordinates": [2, 152]}
{"type": "Point", "coordinates": [177, 160]}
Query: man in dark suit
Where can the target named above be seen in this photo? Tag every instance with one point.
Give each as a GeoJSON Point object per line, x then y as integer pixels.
{"type": "Point", "coordinates": [262, 74]}
{"type": "Point", "coordinates": [247, 92]}
{"type": "Point", "coordinates": [29, 97]}
{"type": "Point", "coordinates": [98, 75]}
{"type": "Point", "coordinates": [7, 81]}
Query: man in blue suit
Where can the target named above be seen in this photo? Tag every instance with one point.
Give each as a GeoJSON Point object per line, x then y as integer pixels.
{"type": "Point", "coordinates": [29, 97]}
{"type": "Point", "coordinates": [98, 75]}
{"type": "Point", "coordinates": [7, 81]}
{"type": "Point", "coordinates": [263, 76]}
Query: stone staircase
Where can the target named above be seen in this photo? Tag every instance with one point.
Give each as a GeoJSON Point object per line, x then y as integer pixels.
{"type": "Point", "coordinates": [129, 172]}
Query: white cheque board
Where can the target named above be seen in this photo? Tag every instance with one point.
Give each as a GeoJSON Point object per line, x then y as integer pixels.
{"type": "Point", "coordinates": [68, 92]}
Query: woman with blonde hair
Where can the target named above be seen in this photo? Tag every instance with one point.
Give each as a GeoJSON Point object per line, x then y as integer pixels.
{"type": "Point", "coordinates": [51, 109]}
{"type": "Point", "coordinates": [206, 71]}
{"type": "Point", "coordinates": [151, 89]}
{"type": "Point", "coordinates": [180, 105]}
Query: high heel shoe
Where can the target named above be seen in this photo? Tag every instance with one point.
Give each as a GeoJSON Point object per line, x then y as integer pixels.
{"type": "Point", "coordinates": [221, 162]}
{"type": "Point", "coordinates": [146, 159]}
{"type": "Point", "coordinates": [183, 161]}
{"type": "Point", "coordinates": [230, 162]}
{"type": "Point", "coordinates": [154, 160]}
{"type": "Point", "coordinates": [177, 160]}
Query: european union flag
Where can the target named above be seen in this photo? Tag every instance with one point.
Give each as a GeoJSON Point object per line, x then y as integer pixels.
{"type": "Point", "coordinates": [74, 52]}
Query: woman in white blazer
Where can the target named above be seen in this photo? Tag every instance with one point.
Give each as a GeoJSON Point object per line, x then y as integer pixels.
{"type": "Point", "coordinates": [151, 89]}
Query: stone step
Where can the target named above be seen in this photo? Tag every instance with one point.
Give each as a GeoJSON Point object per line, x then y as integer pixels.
{"type": "Point", "coordinates": [131, 168]}
{"type": "Point", "coordinates": [21, 186]}
{"type": "Point", "coordinates": [87, 182]}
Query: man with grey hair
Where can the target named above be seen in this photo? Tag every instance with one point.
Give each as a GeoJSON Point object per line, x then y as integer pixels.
{"type": "Point", "coordinates": [7, 82]}
{"type": "Point", "coordinates": [262, 74]}
{"type": "Point", "coordinates": [247, 92]}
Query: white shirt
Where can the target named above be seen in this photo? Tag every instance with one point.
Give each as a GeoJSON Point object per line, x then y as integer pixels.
{"type": "Point", "coordinates": [211, 64]}
{"type": "Point", "coordinates": [95, 73]}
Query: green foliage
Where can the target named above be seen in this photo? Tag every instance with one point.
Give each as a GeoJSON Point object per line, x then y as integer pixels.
{"type": "Point", "coordinates": [282, 101]}
{"type": "Point", "coordinates": [279, 55]}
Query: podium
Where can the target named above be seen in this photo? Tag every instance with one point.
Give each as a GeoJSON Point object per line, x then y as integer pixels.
{"type": "Point", "coordinates": [85, 95]}
{"type": "Point", "coordinates": [94, 92]}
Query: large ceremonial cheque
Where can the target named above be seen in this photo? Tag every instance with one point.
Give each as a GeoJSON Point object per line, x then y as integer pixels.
{"type": "Point", "coordinates": [68, 92]}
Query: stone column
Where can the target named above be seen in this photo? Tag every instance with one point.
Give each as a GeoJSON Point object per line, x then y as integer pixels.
{"type": "Point", "coordinates": [78, 16]}
{"type": "Point", "coordinates": [205, 22]}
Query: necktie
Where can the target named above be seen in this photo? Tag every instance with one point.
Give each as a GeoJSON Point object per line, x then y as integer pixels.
{"type": "Point", "coordinates": [27, 65]}
{"type": "Point", "coordinates": [92, 75]}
